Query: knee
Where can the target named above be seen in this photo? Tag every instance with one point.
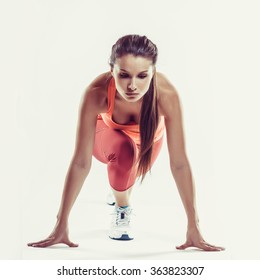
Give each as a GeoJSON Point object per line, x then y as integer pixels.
{"type": "Point", "coordinates": [124, 152]}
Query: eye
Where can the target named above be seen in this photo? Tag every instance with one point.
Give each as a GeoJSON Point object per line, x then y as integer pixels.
{"type": "Point", "coordinates": [123, 75]}
{"type": "Point", "coordinates": [142, 76]}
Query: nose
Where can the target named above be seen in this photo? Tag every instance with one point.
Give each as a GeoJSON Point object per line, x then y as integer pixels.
{"type": "Point", "coordinates": [132, 85]}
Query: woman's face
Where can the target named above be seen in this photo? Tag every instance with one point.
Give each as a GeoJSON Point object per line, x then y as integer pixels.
{"type": "Point", "coordinates": [133, 75]}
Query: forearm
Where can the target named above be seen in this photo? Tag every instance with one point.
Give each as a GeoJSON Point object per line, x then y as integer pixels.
{"type": "Point", "coordinates": [75, 178]}
{"type": "Point", "coordinates": [184, 182]}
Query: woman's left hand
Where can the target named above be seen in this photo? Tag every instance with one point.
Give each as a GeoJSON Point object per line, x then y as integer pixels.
{"type": "Point", "coordinates": [195, 239]}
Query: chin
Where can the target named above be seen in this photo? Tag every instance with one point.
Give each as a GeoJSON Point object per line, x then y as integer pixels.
{"type": "Point", "coordinates": [132, 98]}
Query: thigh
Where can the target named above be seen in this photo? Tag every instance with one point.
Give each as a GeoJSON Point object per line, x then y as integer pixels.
{"type": "Point", "coordinates": [110, 144]}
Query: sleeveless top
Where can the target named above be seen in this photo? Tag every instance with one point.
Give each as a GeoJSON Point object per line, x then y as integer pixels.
{"type": "Point", "coordinates": [131, 129]}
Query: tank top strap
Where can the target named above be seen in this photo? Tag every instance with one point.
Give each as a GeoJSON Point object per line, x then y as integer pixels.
{"type": "Point", "coordinates": [111, 93]}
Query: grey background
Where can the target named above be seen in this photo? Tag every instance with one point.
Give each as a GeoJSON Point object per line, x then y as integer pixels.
{"type": "Point", "coordinates": [51, 50]}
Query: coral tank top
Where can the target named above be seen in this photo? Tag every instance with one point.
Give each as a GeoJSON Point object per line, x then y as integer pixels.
{"type": "Point", "coordinates": [131, 129]}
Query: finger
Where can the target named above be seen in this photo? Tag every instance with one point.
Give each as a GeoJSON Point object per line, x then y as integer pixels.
{"type": "Point", "coordinates": [38, 242]}
{"type": "Point", "coordinates": [203, 246]}
{"type": "Point", "coordinates": [216, 248]}
{"type": "Point", "coordinates": [207, 247]}
{"type": "Point", "coordinates": [183, 246]}
{"type": "Point", "coordinates": [221, 248]}
{"type": "Point", "coordinates": [50, 242]}
{"type": "Point", "coordinates": [44, 244]}
{"type": "Point", "coordinates": [71, 244]}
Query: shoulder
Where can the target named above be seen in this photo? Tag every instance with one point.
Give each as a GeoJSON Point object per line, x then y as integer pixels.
{"type": "Point", "coordinates": [168, 97]}
{"type": "Point", "coordinates": [95, 94]}
{"type": "Point", "coordinates": [101, 81]}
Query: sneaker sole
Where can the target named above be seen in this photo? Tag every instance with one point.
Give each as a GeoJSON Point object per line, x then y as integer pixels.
{"type": "Point", "coordinates": [124, 237]}
{"type": "Point", "coordinates": [111, 204]}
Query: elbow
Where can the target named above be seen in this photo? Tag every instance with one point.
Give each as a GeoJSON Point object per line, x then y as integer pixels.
{"type": "Point", "coordinates": [82, 164]}
{"type": "Point", "coordinates": [179, 165]}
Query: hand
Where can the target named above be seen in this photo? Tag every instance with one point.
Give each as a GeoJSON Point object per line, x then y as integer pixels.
{"type": "Point", "coordinates": [195, 239]}
{"type": "Point", "coordinates": [59, 235]}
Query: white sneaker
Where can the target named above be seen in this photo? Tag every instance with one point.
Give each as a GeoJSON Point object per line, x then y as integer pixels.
{"type": "Point", "coordinates": [120, 225]}
{"type": "Point", "coordinates": [111, 199]}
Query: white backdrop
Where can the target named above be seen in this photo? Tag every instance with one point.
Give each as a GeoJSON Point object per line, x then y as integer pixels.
{"type": "Point", "coordinates": [50, 52]}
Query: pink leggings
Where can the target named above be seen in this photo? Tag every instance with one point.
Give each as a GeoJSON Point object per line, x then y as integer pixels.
{"type": "Point", "coordinates": [120, 153]}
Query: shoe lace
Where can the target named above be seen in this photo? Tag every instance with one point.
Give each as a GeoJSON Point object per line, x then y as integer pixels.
{"type": "Point", "coordinates": [122, 216]}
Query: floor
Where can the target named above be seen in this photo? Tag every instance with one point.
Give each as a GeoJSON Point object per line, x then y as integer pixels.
{"type": "Point", "coordinates": [158, 224]}
{"type": "Point", "coordinates": [159, 220]}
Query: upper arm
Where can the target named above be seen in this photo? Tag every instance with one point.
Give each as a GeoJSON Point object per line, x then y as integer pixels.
{"type": "Point", "coordinates": [171, 109]}
{"type": "Point", "coordinates": [87, 118]}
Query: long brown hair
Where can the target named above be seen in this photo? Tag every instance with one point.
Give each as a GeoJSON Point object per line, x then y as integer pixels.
{"type": "Point", "coordinates": [149, 118]}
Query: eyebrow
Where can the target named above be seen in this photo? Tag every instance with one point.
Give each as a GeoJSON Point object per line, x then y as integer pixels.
{"type": "Point", "coordinates": [128, 72]}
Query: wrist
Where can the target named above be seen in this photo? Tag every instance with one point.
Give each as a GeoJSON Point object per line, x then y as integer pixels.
{"type": "Point", "coordinates": [193, 226]}
{"type": "Point", "coordinates": [62, 222]}
{"type": "Point", "coordinates": [193, 223]}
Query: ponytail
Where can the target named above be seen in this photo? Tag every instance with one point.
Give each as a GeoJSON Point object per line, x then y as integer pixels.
{"type": "Point", "coordinates": [149, 120]}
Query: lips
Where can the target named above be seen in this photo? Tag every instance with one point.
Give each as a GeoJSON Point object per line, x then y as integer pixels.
{"type": "Point", "coordinates": [131, 94]}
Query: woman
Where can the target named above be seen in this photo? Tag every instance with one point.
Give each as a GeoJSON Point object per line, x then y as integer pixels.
{"type": "Point", "coordinates": [122, 119]}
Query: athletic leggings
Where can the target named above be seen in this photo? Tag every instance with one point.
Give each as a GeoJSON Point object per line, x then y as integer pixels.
{"type": "Point", "coordinates": [120, 153]}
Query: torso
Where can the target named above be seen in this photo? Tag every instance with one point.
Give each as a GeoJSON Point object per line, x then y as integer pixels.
{"type": "Point", "coordinates": [125, 112]}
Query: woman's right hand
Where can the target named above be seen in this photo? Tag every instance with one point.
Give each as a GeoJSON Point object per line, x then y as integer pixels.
{"type": "Point", "coordinates": [59, 235]}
